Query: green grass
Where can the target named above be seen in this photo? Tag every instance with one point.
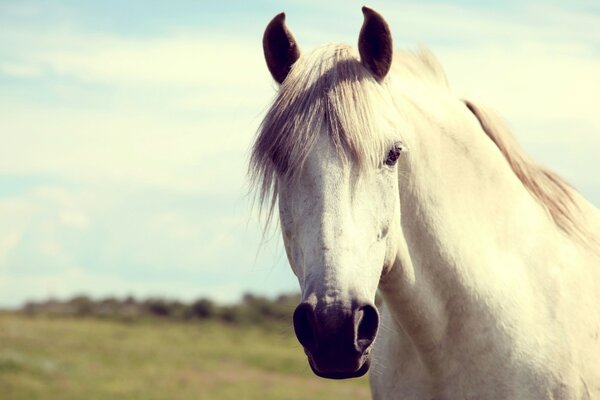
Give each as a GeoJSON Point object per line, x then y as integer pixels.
{"type": "Point", "coordinates": [68, 358]}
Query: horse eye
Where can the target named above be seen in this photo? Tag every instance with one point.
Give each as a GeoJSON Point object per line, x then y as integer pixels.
{"type": "Point", "coordinates": [393, 155]}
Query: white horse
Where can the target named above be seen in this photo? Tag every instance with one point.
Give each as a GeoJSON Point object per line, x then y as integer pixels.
{"type": "Point", "coordinates": [488, 265]}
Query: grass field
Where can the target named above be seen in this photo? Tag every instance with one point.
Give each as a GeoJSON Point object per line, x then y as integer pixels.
{"type": "Point", "coordinates": [69, 358]}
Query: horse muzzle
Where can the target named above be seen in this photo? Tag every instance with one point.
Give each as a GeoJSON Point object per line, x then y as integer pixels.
{"type": "Point", "coordinates": [337, 340]}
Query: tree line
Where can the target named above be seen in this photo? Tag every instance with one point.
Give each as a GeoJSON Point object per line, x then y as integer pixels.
{"type": "Point", "coordinates": [251, 309]}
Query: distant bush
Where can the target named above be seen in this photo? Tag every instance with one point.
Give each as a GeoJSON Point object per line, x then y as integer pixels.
{"type": "Point", "coordinates": [251, 309]}
{"type": "Point", "coordinates": [202, 308]}
{"type": "Point", "coordinates": [82, 305]}
{"type": "Point", "coordinates": [158, 307]}
{"type": "Point", "coordinates": [232, 314]}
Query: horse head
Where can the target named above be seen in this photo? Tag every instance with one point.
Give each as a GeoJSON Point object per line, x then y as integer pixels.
{"type": "Point", "coordinates": [327, 154]}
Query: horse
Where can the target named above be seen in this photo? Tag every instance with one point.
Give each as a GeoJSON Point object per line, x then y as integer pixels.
{"type": "Point", "coordinates": [384, 181]}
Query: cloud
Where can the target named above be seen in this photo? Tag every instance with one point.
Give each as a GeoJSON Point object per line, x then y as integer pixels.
{"type": "Point", "coordinates": [74, 219]}
{"type": "Point", "coordinates": [16, 215]}
{"type": "Point", "coordinates": [171, 61]}
{"type": "Point", "coordinates": [141, 241]}
{"type": "Point", "coordinates": [8, 241]}
{"type": "Point", "coordinates": [141, 111]}
{"type": "Point", "coordinates": [529, 80]}
{"type": "Point", "coordinates": [18, 70]}
{"type": "Point", "coordinates": [150, 150]}
{"type": "Point", "coordinates": [183, 59]}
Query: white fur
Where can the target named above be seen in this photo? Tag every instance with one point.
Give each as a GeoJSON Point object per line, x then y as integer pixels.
{"type": "Point", "coordinates": [485, 297]}
{"type": "Point", "coordinates": [489, 299]}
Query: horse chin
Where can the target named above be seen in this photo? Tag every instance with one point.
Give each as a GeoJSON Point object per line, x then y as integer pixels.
{"type": "Point", "coordinates": [343, 374]}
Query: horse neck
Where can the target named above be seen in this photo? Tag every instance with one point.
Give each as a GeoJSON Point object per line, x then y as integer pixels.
{"type": "Point", "coordinates": [470, 228]}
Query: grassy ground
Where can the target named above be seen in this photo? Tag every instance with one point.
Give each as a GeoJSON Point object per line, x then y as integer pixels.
{"type": "Point", "coordinates": [67, 358]}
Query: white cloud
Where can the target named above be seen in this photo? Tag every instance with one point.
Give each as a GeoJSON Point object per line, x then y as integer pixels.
{"type": "Point", "coordinates": [8, 241]}
{"type": "Point", "coordinates": [74, 219]}
{"type": "Point", "coordinates": [69, 240]}
{"type": "Point", "coordinates": [16, 215]}
{"type": "Point", "coordinates": [149, 150]}
{"type": "Point", "coordinates": [172, 60]}
{"type": "Point", "coordinates": [19, 70]}
{"type": "Point", "coordinates": [148, 132]}
{"type": "Point", "coordinates": [51, 248]}
{"type": "Point", "coordinates": [530, 80]}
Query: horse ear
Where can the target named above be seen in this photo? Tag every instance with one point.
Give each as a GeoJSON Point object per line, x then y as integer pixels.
{"type": "Point", "coordinates": [280, 48]}
{"type": "Point", "coordinates": [375, 44]}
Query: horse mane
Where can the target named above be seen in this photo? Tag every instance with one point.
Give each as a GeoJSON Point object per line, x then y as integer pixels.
{"type": "Point", "coordinates": [330, 90]}
{"type": "Point", "coordinates": [555, 195]}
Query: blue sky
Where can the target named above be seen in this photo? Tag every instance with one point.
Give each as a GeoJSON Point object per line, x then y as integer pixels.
{"type": "Point", "coordinates": [125, 128]}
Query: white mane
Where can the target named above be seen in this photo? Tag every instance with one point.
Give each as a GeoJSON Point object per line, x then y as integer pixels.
{"type": "Point", "coordinates": [330, 88]}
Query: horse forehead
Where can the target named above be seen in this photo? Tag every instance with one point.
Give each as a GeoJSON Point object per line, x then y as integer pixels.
{"type": "Point", "coordinates": [325, 161]}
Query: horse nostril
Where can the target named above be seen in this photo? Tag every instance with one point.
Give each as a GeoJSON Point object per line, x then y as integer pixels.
{"type": "Point", "coordinates": [366, 321]}
{"type": "Point", "coordinates": [304, 326]}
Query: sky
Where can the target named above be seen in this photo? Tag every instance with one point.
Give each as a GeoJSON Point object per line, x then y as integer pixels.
{"type": "Point", "coordinates": [125, 128]}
